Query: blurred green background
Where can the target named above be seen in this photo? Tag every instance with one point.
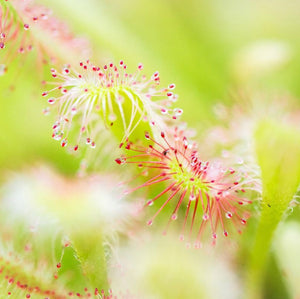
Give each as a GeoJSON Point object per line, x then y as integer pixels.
{"type": "Point", "coordinates": [214, 51]}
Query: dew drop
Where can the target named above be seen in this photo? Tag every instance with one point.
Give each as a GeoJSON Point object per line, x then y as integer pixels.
{"type": "Point", "coordinates": [174, 217]}
{"type": "Point", "coordinates": [225, 233]}
{"type": "Point", "coordinates": [228, 215]}
{"type": "Point", "coordinates": [73, 110]}
{"type": "Point", "coordinates": [88, 141]}
{"type": "Point", "coordinates": [150, 222]}
{"type": "Point", "coordinates": [181, 237]}
{"type": "Point", "coordinates": [185, 143]}
{"type": "Point", "coordinates": [26, 26]}
{"type": "Point", "coordinates": [149, 203]}
{"type": "Point", "coordinates": [56, 126]}
{"type": "Point", "coordinates": [214, 236]}
{"type": "Point", "coordinates": [64, 142]}
{"type": "Point", "coordinates": [164, 111]}
{"type": "Point", "coordinates": [231, 170]}
{"type": "Point", "coordinates": [192, 197]}
{"type": "Point", "coordinates": [93, 144]}
{"type": "Point", "coordinates": [51, 101]}
{"type": "Point", "coordinates": [178, 111]}
{"type": "Point", "coordinates": [243, 221]}
{"type": "Point", "coordinates": [120, 160]}
{"type": "Point", "coordinates": [2, 45]}
{"type": "Point", "coordinates": [66, 71]}
{"type": "Point", "coordinates": [205, 217]}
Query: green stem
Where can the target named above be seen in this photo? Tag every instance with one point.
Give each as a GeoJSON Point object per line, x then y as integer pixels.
{"type": "Point", "coordinates": [260, 254]}
{"type": "Point", "coordinates": [278, 153]}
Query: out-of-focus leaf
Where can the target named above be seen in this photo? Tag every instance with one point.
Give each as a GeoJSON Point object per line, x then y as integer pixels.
{"type": "Point", "coordinates": [278, 153]}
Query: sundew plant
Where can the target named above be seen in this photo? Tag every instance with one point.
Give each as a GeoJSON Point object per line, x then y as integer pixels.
{"type": "Point", "coordinates": [149, 149]}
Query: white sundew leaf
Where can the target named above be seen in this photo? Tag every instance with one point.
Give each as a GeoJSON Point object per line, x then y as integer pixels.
{"type": "Point", "coordinates": [88, 97]}
{"type": "Point", "coordinates": [57, 231]}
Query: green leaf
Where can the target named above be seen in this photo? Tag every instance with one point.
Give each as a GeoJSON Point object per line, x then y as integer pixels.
{"type": "Point", "coordinates": [278, 153]}
{"type": "Point", "coordinates": [89, 249]}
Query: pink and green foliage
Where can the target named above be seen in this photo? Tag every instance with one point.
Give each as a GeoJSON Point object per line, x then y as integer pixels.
{"type": "Point", "coordinates": [91, 99]}
{"type": "Point", "coordinates": [26, 26]}
{"type": "Point", "coordinates": [212, 195]}
{"type": "Point", "coordinates": [63, 233]}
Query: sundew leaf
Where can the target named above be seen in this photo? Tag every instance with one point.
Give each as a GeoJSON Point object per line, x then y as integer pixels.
{"type": "Point", "coordinates": [21, 279]}
{"type": "Point", "coordinates": [28, 259]}
{"type": "Point", "coordinates": [82, 262]}
{"type": "Point", "coordinates": [86, 245]}
{"type": "Point", "coordinates": [89, 249]}
{"type": "Point", "coordinates": [54, 241]}
{"type": "Point", "coordinates": [91, 99]}
{"type": "Point", "coordinates": [27, 26]}
{"type": "Point", "coordinates": [278, 153]}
